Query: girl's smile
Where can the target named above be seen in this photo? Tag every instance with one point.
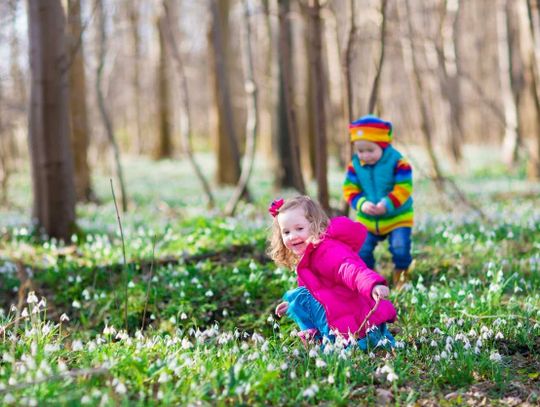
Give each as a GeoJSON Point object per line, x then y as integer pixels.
{"type": "Point", "coordinates": [295, 230]}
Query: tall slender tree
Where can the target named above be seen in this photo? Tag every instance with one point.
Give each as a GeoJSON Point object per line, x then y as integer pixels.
{"type": "Point", "coordinates": [78, 114]}
{"type": "Point", "coordinates": [48, 132]}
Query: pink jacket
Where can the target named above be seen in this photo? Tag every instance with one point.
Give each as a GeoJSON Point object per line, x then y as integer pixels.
{"type": "Point", "coordinates": [338, 278]}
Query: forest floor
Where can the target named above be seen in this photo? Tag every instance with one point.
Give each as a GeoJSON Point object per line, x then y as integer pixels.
{"type": "Point", "coordinates": [188, 320]}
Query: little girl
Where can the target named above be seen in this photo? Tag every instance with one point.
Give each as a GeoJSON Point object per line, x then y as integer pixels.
{"type": "Point", "coordinates": [336, 291]}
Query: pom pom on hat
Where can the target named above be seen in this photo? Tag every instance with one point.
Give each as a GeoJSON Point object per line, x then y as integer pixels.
{"type": "Point", "coordinates": [371, 128]}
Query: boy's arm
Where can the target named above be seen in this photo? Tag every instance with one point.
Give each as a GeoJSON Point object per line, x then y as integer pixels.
{"type": "Point", "coordinates": [352, 192]}
{"type": "Point", "coordinates": [402, 187]}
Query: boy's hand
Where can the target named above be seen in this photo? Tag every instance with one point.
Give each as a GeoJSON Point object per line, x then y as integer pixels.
{"type": "Point", "coordinates": [380, 208]}
{"type": "Point", "coordinates": [282, 308]}
{"type": "Point", "coordinates": [369, 208]}
{"type": "Point", "coordinates": [380, 291]}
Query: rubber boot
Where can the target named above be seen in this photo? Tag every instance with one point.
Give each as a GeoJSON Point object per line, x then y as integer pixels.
{"type": "Point", "coordinates": [399, 278]}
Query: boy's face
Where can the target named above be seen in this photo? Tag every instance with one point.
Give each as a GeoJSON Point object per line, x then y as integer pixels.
{"type": "Point", "coordinates": [367, 151]}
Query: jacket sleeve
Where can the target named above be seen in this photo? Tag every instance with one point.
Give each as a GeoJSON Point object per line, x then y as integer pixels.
{"type": "Point", "coordinates": [352, 192]}
{"type": "Point", "coordinates": [352, 271]}
{"type": "Point", "coordinates": [402, 186]}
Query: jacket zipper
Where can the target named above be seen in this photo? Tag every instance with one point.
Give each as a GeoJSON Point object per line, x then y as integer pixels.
{"type": "Point", "coordinates": [374, 190]}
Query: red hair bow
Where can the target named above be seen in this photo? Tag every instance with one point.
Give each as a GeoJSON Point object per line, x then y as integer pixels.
{"type": "Point", "coordinates": [274, 206]}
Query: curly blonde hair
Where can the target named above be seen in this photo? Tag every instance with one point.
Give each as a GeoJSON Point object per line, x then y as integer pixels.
{"type": "Point", "coordinates": [317, 219]}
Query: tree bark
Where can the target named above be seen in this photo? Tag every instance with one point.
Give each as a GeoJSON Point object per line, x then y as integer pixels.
{"type": "Point", "coordinates": [376, 81]}
{"type": "Point", "coordinates": [78, 114]}
{"type": "Point", "coordinates": [134, 19]}
{"type": "Point", "coordinates": [164, 147]}
{"type": "Point", "coordinates": [185, 110]}
{"type": "Point", "coordinates": [228, 155]}
{"type": "Point", "coordinates": [252, 115]}
{"type": "Point", "coordinates": [317, 101]}
{"type": "Point", "coordinates": [48, 132]}
{"type": "Point", "coordinates": [289, 150]}
{"type": "Point", "coordinates": [107, 122]}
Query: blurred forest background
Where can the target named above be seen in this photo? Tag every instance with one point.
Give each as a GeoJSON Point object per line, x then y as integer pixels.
{"type": "Point", "coordinates": [85, 83]}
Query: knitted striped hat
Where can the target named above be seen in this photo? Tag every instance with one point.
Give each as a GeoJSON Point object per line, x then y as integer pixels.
{"type": "Point", "coordinates": [371, 128]}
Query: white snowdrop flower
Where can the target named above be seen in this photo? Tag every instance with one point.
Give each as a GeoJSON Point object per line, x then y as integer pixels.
{"type": "Point", "coordinates": [9, 399]}
{"type": "Point", "coordinates": [292, 375]}
{"type": "Point", "coordinates": [479, 343]}
{"type": "Point", "coordinates": [24, 313]}
{"type": "Point", "coordinates": [86, 399]}
{"type": "Point", "coordinates": [42, 303]}
{"type": "Point", "coordinates": [311, 391]}
{"type": "Point", "coordinates": [423, 331]}
{"type": "Point", "coordinates": [307, 374]}
{"type": "Point", "coordinates": [461, 293]}
{"type": "Point", "coordinates": [467, 345]}
{"type": "Point", "coordinates": [50, 347]}
{"type": "Point", "coordinates": [437, 358]}
{"type": "Point", "coordinates": [209, 293]}
{"type": "Point", "coordinates": [183, 316]}
{"type": "Point", "coordinates": [76, 304]}
{"type": "Point", "coordinates": [275, 326]}
{"type": "Point", "coordinates": [448, 347]}
{"type": "Point", "coordinates": [391, 377]}
{"type": "Point", "coordinates": [371, 355]}
{"type": "Point", "coordinates": [455, 355]}
{"type": "Point", "coordinates": [244, 346]}
{"type": "Point", "coordinates": [120, 388]}
{"type": "Point", "coordinates": [62, 366]}
{"type": "Point", "coordinates": [320, 363]}
{"type": "Point", "coordinates": [131, 284]}
{"type": "Point", "coordinates": [437, 331]}
{"type": "Point", "coordinates": [295, 352]}
{"type": "Point", "coordinates": [76, 346]}
{"type": "Point", "coordinates": [433, 344]}
{"type": "Point", "coordinates": [477, 350]}
{"type": "Point", "coordinates": [91, 346]}
{"type": "Point", "coordinates": [313, 353]}
{"type": "Point", "coordinates": [31, 299]}
{"type": "Point", "coordinates": [460, 322]}
{"type": "Point", "coordinates": [472, 332]}
{"type": "Point", "coordinates": [265, 346]}
{"type": "Point", "coordinates": [270, 318]}
{"type": "Point", "coordinates": [46, 329]}
{"type": "Point", "coordinates": [138, 334]}
{"type": "Point", "coordinates": [519, 324]}
{"type": "Point", "coordinates": [13, 308]}
{"type": "Point", "coordinates": [495, 356]}
{"type": "Point", "coordinates": [449, 340]}
{"type": "Point", "coordinates": [444, 355]}
{"type": "Point", "coordinates": [331, 379]}
{"type": "Point", "coordinates": [164, 377]}
{"type": "Point", "coordinates": [414, 300]}
{"type": "Point", "coordinates": [172, 320]}
{"type": "Point", "coordinates": [284, 366]}
{"type": "Point", "coordinates": [499, 335]}
{"type": "Point", "coordinates": [12, 381]}
{"type": "Point", "coordinates": [270, 367]}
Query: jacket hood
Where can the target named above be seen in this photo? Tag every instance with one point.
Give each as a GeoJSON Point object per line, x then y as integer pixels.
{"type": "Point", "coordinates": [347, 231]}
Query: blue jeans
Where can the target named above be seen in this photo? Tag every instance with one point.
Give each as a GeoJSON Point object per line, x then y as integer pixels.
{"type": "Point", "coordinates": [308, 313]}
{"type": "Point", "coordinates": [400, 246]}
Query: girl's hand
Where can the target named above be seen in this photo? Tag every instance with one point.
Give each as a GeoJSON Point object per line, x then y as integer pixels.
{"type": "Point", "coordinates": [380, 208]}
{"type": "Point", "coordinates": [380, 291]}
{"type": "Point", "coordinates": [282, 308]}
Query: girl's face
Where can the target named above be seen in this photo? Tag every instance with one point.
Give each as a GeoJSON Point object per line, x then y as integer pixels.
{"type": "Point", "coordinates": [295, 230]}
{"type": "Point", "coordinates": [367, 151]}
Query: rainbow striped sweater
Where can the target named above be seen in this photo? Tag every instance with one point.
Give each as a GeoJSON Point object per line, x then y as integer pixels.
{"type": "Point", "coordinates": [388, 180]}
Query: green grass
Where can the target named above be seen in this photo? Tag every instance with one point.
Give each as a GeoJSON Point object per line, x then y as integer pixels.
{"type": "Point", "coordinates": [469, 319]}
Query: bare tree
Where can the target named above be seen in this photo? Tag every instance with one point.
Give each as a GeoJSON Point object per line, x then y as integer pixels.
{"type": "Point", "coordinates": [164, 145]}
{"type": "Point", "coordinates": [252, 114]}
{"type": "Point", "coordinates": [228, 162]}
{"type": "Point", "coordinates": [107, 122]}
{"type": "Point", "coordinates": [376, 81]}
{"type": "Point", "coordinates": [78, 114]}
{"type": "Point", "coordinates": [533, 14]}
{"type": "Point", "coordinates": [288, 142]}
{"type": "Point", "coordinates": [185, 110]}
{"type": "Point", "coordinates": [318, 96]}
{"type": "Point", "coordinates": [48, 132]}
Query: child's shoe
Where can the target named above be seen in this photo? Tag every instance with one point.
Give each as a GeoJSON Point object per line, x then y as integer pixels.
{"type": "Point", "coordinates": [399, 278]}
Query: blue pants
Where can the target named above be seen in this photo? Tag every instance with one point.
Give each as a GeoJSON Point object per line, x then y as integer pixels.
{"type": "Point", "coordinates": [400, 246]}
{"type": "Point", "coordinates": [308, 313]}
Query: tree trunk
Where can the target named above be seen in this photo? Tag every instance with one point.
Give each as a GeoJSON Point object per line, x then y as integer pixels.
{"type": "Point", "coordinates": [376, 81]}
{"type": "Point", "coordinates": [48, 132]}
{"type": "Point", "coordinates": [252, 115]}
{"type": "Point", "coordinates": [289, 146]}
{"type": "Point", "coordinates": [164, 147]}
{"type": "Point", "coordinates": [79, 121]}
{"type": "Point", "coordinates": [228, 156]}
{"type": "Point", "coordinates": [102, 49]}
{"type": "Point", "coordinates": [185, 111]}
{"type": "Point", "coordinates": [134, 18]}
{"type": "Point", "coordinates": [508, 95]}
{"type": "Point", "coordinates": [317, 101]}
